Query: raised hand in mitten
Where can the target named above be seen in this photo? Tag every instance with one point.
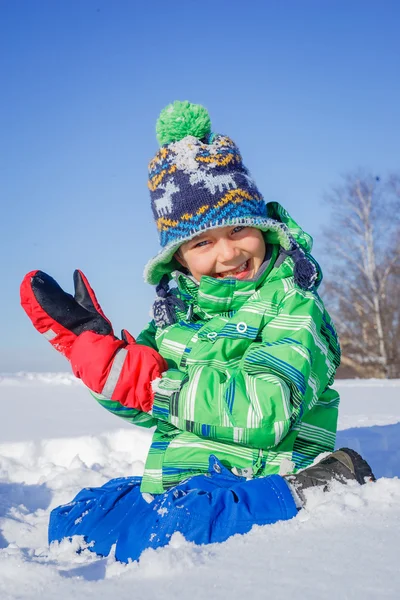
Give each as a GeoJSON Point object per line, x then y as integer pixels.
{"type": "Point", "coordinates": [77, 327]}
{"type": "Point", "coordinates": [60, 317]}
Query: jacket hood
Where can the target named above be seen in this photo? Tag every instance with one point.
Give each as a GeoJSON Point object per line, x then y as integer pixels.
{"type": "Point", "coordinates": [276, 212]}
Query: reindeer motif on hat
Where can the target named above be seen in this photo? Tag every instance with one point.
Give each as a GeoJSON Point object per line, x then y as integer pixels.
{"type": "Point", "coordinates": [163, 205]}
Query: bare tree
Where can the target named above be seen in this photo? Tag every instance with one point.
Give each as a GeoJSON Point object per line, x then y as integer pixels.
{"type": "Point", "coordinates": [363, 277]}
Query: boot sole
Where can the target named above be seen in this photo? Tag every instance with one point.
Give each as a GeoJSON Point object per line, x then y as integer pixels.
{"type": "Point", "coordinates": [362, 470]}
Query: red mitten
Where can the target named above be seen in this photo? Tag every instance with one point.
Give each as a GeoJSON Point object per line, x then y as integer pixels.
{"type": "Point", "coordinates": [60, 317]}
{"type": "Point", "coordinates": [77, 327]}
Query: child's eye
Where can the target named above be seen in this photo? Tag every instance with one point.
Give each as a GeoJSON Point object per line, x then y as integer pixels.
{"type": "Point", "coordinates": [238, 228]}
{"type": "Point", "coordinates": [200, 244]}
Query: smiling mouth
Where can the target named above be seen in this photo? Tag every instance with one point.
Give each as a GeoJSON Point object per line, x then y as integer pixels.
{"type": "Point", "coordinates": [234, 272]}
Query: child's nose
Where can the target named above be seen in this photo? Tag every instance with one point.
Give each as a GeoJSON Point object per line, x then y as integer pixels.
{"type": "Point", "coordinates": [226, 250]}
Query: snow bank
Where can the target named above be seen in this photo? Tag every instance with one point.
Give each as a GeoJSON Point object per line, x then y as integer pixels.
{"type": "Point", "coordinates": [55, 439]}
{"type": "Point", "coordinates": [343, 546]}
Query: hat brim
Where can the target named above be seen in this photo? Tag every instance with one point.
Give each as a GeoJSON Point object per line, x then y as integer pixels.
{"type": "Point", "coordinates": [165, 262]}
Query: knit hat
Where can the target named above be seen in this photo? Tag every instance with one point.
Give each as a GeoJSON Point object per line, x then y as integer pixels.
{"type": "Point", "coordinates": [197, 181]}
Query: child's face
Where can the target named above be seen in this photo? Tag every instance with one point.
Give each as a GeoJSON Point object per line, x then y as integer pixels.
{"type": "Point", "coordinates": [224, 252]}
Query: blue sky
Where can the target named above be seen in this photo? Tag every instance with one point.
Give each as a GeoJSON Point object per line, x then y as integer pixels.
{"type": "Point", "coordinates": [309, 90]}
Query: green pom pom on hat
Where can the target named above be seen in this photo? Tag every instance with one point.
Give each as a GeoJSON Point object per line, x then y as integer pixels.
{"type": "Point", "coordinates": [179, 119]}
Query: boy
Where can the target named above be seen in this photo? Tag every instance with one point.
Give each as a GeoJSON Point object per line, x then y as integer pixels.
{"type": "Point", "coordinates": [234, 370]}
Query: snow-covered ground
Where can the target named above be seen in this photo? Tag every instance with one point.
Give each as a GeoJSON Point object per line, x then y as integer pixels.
{"type": "Point", "coordinates": [55, 440]}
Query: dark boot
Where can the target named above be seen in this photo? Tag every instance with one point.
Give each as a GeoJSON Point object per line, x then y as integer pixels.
{"type": "Point", "coordinates": [342, 465]}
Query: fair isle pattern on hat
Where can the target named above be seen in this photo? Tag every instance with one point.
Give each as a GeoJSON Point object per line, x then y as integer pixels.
{"type": "Point", "coordinates": [197, 182]}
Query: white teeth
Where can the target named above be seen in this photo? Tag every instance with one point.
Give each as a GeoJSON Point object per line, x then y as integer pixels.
{"type": "Point", "coordinates": [243, 267]}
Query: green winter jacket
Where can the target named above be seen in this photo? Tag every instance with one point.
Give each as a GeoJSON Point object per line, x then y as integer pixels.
{"type": "Point", "coordinates": [250, 369]}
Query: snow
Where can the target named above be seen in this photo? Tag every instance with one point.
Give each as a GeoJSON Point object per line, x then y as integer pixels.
{"type": "Point", "coordinates": [55, 440]}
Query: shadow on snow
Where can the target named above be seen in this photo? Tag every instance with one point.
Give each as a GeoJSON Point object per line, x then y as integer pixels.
{"type": "Point", "coordinates": [379, 445]}
{"type": "Point", "coordinates": [95, 571]}
{"type": "Point", "coordinates": [15, 495]}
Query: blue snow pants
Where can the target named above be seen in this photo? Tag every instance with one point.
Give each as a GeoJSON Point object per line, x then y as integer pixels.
{"type": "Point", "coordinates": [205, 509]}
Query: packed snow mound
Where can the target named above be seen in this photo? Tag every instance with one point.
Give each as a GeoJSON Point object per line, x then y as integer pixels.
{"type": "Point", "coordinates": [55, 440]}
